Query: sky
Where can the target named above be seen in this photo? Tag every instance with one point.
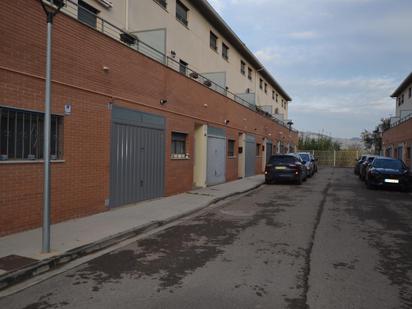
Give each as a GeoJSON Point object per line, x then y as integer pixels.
{"type": "Point", "coordinates": [339, 60]}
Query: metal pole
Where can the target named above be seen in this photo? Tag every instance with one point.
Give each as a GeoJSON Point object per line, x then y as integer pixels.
{"type": "Point", "coordinates": [334, 158]}
{"type": "Point", "coordinates": [46, 143]}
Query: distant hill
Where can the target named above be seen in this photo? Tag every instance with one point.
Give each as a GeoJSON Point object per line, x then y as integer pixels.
{"type": "Point", "coordinates": [346, 143]}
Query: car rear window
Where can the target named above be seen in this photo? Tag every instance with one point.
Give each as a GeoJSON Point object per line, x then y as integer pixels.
{"type": "Point", "coordinates": [389, 164]}
{"type": "Point", "coordinates": [282, 159]}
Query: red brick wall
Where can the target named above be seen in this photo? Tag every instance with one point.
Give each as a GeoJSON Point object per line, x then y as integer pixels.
{"type": "Point", "coordinates": [401, 134]}
{"type": "Point", "coordinates": [80, 184]}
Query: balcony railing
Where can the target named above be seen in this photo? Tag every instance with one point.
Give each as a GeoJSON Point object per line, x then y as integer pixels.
{"type": "Point", "coordinates": [130, 40]}
{"type": "Point", "coordinates": [402, 120]}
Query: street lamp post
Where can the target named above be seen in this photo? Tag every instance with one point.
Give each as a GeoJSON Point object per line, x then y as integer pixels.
{"type": "Point", "coordinates": [51, 8]}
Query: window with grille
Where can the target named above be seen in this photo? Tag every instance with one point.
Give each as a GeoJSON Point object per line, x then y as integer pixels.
{"type": "Point", "coordinates": [181, 12]}
{"type": "Point", "coordinates": [230, 148]}
{"type": "Point", "coordinates": [21, 135]}
{"type": "Point", "coordinates": [249, 73]}
{"type": "Point", "coordinates": [178, 149]}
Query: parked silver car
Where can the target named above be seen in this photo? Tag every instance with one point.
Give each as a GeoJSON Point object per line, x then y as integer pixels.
{"type": "Point", "coordinates": [309, 163]}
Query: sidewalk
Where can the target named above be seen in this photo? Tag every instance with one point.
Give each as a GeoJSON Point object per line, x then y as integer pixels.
{"type": "Point", "coordinates": [20, 256]}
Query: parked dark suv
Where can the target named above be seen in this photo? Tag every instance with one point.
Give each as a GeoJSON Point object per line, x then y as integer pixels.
{"type": "Point", "coordinates": [387, 172]}
{"type": "Point", "coordinates": [286, 167]}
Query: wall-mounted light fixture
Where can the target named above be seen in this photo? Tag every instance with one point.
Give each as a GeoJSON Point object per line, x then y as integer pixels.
{"type": "Point", "coordinates": [173, 53]}
{"type": "Point", "coordinates": [163, 101]}
{"type": "Point", "coordinates": [205, 105]}
{"type": "Point", "coordinates": [226, 121]}
{"type": "Point", "coordinates": [106, 69]}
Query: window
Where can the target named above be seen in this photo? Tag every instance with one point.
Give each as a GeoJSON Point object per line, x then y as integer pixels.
{"type": "Point", "coordinates": [260, 83]}
{"type": "Point", "coordinates": [276, 97]}
{"type": "Point", "coordinates": [266, 88]}
{"type": "Point", "coordinates": [162, 3]}
{"type": "Point", "coordinates": [242, 67]}
{"type": "Point", "coordinates": [181, 13]}
{"type": "Point", "coordinates": [21, 135]}
{"type": "Point", "coordinates": [183, 67]}
{"type": "Point", "coordinates": [213, 41]}
{"type": "Point", "coordinates": [410, 91]}
{"type": "Point", "coordinates": [230, 148]}
{"type": "Point", "coordinates": [178, 145]}
{"type": "Point", "coordinates": [276, 110]}
{"type": "Point", "coordinates": [225, 51]}
{"type": "Point", "coordinates": [402, 98]}
{"type": "Point", "coordinates": [273, 94]}
{"type": "Point", "coordinates": [257, 150]}
{"type": "Point", "coordinates": [87, 14]}
{"type": "Point", "coordinates": [249, 73]}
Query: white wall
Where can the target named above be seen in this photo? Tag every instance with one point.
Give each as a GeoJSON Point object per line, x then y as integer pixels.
{"type": "Point", "coordinates": [190, 43]}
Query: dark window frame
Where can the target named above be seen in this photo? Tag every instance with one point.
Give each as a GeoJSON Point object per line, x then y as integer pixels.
{"type": "Point", "coordinates": [231, 143]}
{"type": "Point", "coordinates": [249, 73]}
{"type": "Point", "coordinates": [183, 65]}
{"type": "Point", "coordinates": [213, 41]}
{"type": "Point", "coordinates": [182, 13]}
{"type": "Point", "coordinates": [178, 144]}
{"type": "Point", "coordinates": [87, 14]}
{"type": "Point", "coordinates": [225, 51]}
{"type": "Point", "coordinates": [260, 83]}
{"type": "Point", "coordinates": [21, 135]}
{"type": "Point", "coordinates": [266, 88]}
{"type": "Point", "coordinates": [242, 67]}
{"type": "Point", "coordinates": [162, 3]}
{"type": "Point", "coordinates": [258, 148]}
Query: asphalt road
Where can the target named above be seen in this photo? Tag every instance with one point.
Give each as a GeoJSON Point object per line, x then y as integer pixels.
{"type": "Point", "coordinates": [329, 243]}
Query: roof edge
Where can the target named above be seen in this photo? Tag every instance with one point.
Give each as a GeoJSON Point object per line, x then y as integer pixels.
{"type": "Point", "coordinates": [217, 21]}
{"type": "Point", "coordinates": [402, 86]}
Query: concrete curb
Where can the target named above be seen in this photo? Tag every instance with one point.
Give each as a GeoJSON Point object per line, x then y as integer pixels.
{"type": "Point", "coordinates": [9, 279]}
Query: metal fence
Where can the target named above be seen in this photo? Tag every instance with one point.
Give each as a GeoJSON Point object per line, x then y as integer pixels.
{"type": "Point", "coordinates": [72, 8]}
{"type": "Point", "coordinates": [335, 158]}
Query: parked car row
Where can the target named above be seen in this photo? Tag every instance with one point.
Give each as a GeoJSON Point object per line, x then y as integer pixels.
{"type": "Point", "coordinates": [379, 171]}
{"type": "Point", "coordinates": [294, 167]}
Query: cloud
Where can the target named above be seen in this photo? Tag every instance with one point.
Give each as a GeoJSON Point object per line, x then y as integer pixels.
{"type": "Point", "coordinates": [305, 35]}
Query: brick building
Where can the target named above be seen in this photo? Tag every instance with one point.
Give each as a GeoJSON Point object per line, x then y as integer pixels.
{"type": "Point", "coordinates": [397, 141]}
{"type": "Point", "coordinates": [125, 127]}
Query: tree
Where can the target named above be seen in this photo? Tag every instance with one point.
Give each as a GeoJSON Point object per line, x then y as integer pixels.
{"type": "Point", "coordinates": [373, 140]}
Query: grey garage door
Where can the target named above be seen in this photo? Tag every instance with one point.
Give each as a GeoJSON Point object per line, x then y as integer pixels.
{"type": "Point", "coordinates": [137, 156]}
{"type": "Point", "coordinates": [250, 156]}
{"type": "Point", "coordinates": [216, 156]}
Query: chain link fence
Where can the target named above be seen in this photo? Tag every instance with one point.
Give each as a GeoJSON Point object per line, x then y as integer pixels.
{"type": "Point", "coordinates": [335, 158]}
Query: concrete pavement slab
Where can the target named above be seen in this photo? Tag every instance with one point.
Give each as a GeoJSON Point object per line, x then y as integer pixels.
{"type": "Point", "coordinates": [74, 238]}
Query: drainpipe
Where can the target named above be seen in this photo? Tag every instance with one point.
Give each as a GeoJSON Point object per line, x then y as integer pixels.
{"type": "Point", "coordinates": [126, 27]}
